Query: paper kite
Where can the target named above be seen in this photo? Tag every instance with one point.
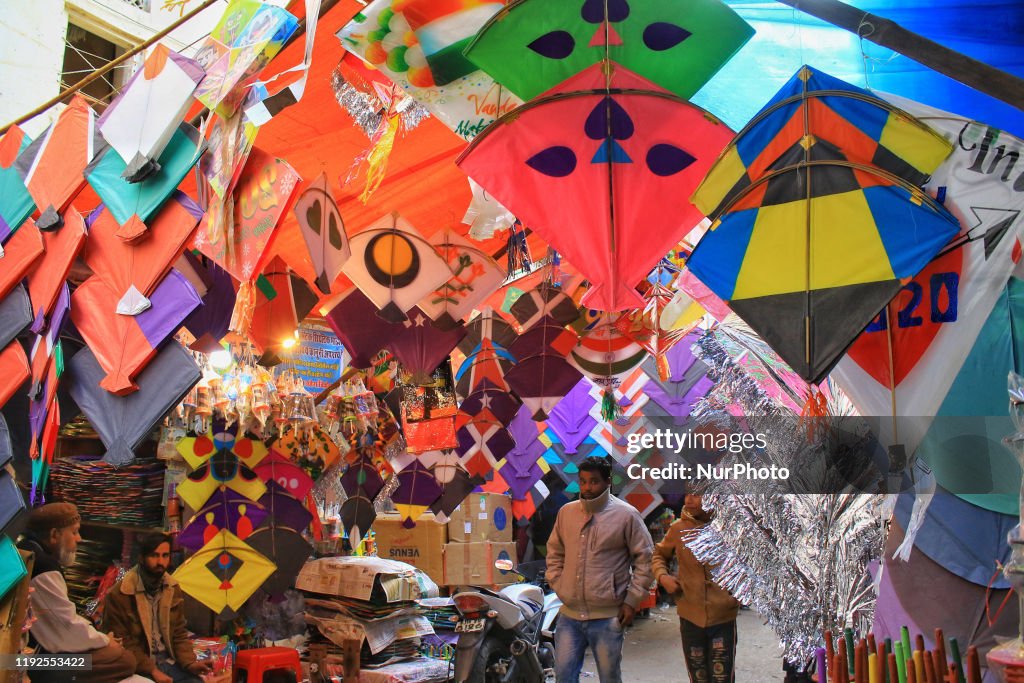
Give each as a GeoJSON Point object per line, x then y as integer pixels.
{"type": "Point", "coordinates": [323, 231]}
{"type": "Point", "coordinates": [224, 574]}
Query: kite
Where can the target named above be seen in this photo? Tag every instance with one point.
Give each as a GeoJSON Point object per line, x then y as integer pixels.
{"type": "Point", "coordinates": [483, 444]}
{"type": "Point", "coordinates": [286, 474]}
{"type": "Point", "coordinates": [531, 45]}
{"type": "Point", "coordinates": [15, 314]}
{"type": "Point", "coordinates": [817, 107]}
{"type": "Point", "coordinates": [324, 232]}
{"type": "Point", "coordinates": [542, 376]}
{"type": "Point", "coordinates": [355, 321]}
{"type": "Point", "coordinates": [132, 205]}
{"type": "Point", "coordinates": [422, 347]}
{"type": "Point", "coordinates": [123, 422]}
{"type": "Point", "coordinates": [494, 399]}
{"type": "Point", "coordinates": [197, 450]}
{"type": "Point", "coordinates": [264, 192]}
{"type": "Point", "coordinates": [209, 323]}
{"type": "Point", "coordinates": [455, 486]}
{"type": "Point", "coordinates": [284, 509]}
{"type": "Point", "coordinates": [283, 300]}
{"type": "Point", "coordinates": [16, 205]}
{"type": "Point", "coordinates": [224, 574]}
{"type": "Point", "coordinates": [60, 249]}
{"type": "Point", "coordinates": [222, 471]}
{"type": "Point", "coordinates": [644, 327]}
{"type": "Point", "coordinates": [570, 419]}
{"type": "Point", "coordinates": [310, 444]}
{"type": "Point", "coordinates": [139, 123]}
{"type": "Point", "coordinates": [544, 300]}
{"type": "Point", "coordinates": [687, 383]}
{"type": "Point", "coordinates": [474, 277]}
{"type": "Point", "coordinates": [289, 551]}
{"type": "Point", "coordinates": [124, 344]}
{"type": "Point", "coordinates": [808, 254]}
{"type": "Point", "coordinates": [394, 266]}
{"type": "Point", "coordinates": [225, 510]}
{"type": "Point", "coordinates": [134, 270]}
{"type": "Point", "coordinates": [640, 495]}
{"type": "Point", "coordinates": [12, 567]}
{"type": "Point", "coordinates": [20, 252]}
{"type": "Point", "coordinates": [417, 490]}
{"type": "Point", "coordinates": [618, 160]}
{"type": "Point", "coordinates": [485, 346]}
{"type": "Point", "coordinates": [52, 165]}
{"type": "Point", "coordinates": [528, 449]}
{"type": "Point", "coordinates": [14, 370]}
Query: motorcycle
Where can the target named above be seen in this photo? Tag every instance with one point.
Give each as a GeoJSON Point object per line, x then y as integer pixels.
{"type": "Point", "coordinates": [507, 636]}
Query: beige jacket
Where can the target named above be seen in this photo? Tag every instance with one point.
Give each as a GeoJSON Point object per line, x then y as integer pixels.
{"type": "Point", "coordinates": [599, 557]}
{"type": "Point", "coordinates": [127, 613]}
{"type": "Point", "coordinates": [700, 601]}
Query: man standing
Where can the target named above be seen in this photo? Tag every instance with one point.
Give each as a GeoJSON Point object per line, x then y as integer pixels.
{"type": "Point", "coordinates": [145, 609]}
{"type": "Point", "coordinates": [707, 612]}
{"type": "Point", "coordinates": [53, 536]}
{"type": "Point", "coordinates": [599, 564]}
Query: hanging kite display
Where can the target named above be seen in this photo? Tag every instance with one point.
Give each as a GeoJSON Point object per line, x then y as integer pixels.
{"type": "Point", "coordinates": [417, 490]}
{"type": "Point", "coordinates": [14, 370]}
{"type": "Point", "coordinates": [531, 46]}
{"type": "Point", "coordinates": [422, 347]}
{"type": "Point", "coordinates": [289, 551]}
{"type": "Point", "coordinates": [644, 327]}
{"type": "Point", "coordinates": [686, 384]}
{"type": "Point", "coordinates": [283, 300]}
{"type": "Point", "coordinates": [474, 277]}
{"type": "Point", "coordinates": [570, 419]}
{"type": "Point", "coordinates": [544, 300]}
{"type": "Point", "coordinates": [497, 400]}
{"type": "Point", "coordinates": [286, 474]}
{"type": "Point", "coordinates": [394, 266]}
{"type": "Point", "coordinates": [20, 252]}
{"type": "Point", "coordinates": [134, 270]}
{"type": "Point", "coordinates": [615, 158]}
{"type": "Point", "coordinates": [483, 444]}
{"type": "Point", "coordinates": [605, 355]}
{"type": "Point", "coordinates": [225, 510]}
{"type": "Point", "coordinates": [60, 249]}
{"type": "Point", "coordinates": [324, 232]}
{"type": "Point", "coordinates": [209, 323]}
{"type": "Point", "coordinates": [223, 470]}
{"type": "Point", "coordinates": [52, 165]}
{"type": "Point", "coordinates": [542, 376]}
{"type": "Point", "coordinates": [139, 123]}
{"type": "Point", "coordinates": [285, 510]}
{"type": "Point", "coordinates": [15, 314]}
{"type": "Point", "coordinates": [224, 574]}
{"type": "Point", "coordinates": [132, 205]}
{"type": "Point", "coordinates": [124, 344]}
{"type": "Point", "coordinates": [16, 204]}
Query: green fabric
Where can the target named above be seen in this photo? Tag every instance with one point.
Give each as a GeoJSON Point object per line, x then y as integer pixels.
{"type": "Point", "coordinates": [500, 48]}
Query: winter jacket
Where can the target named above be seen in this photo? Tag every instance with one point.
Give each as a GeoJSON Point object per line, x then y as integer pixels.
{"type": "Point", "coordinates": [700, 601]}
{"type": "Point", "coordinates": [127, 613]}
{"type": "Point", "coordinates": [599, 557]}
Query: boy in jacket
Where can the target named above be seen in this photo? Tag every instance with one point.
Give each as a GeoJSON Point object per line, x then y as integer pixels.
{"type": "Point", "coordinates": [599, 564]}
{"type": "Point", "coordinates": [707, 612]}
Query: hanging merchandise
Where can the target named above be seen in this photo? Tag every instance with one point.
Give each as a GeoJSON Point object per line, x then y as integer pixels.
{"type": "Point", "coordinates": [16, 205]}
{"type": "Point", "coordinates": [228, 146]}
{"type": "Point", "coordinates": [428, 414]}
{"type": "Point", "coordinates": [15, 314]}
{"type": "Point", "coordinates": [394, 266]}
{"type": "Point", "coordinates": [474, 277]}
{"type": "Point", "coordinates": [571, 418]}
{"type": "Point", "coordinates": [486, 348]}
{"type": "Point", "coordinates": [353, 317]}
{"type": "Point", "coordinates": [283, 300]}
{"type": "Point", "coordinates": [49, 272]}
{"type": "Point", "coordinates": [644, 327]}
{"type": "Point", "coordinates": [485, 215]}
{"type": "Point", "coordinates": [210, 321]}
{"type": "Point", "coordinates": [417, 490]}
{"type": "Point", "coordinates": [224, 574]}
{"type": "Point", "coordinates": [498, 401]}
{"type": "Point", "coordinates": [397, 37]}
{"type": "Point", "coordinates": [14, 370]}
{"type": "Point", "coordinates": [686, 384]}
{"type": "Point", "coordinates": [123, 345]}
{"type": "Point", "coordinates": [422, 347]}
{"type": "Point", "coordinates": [221, 471]}
{"type": "Point", "coordinates": [544, 300]}
{"type": "Point", "coordinates": [288, 475]}
{"type": "Point", "coordinates": [284, 509]}
{"type": "Point", "coordinates": [323, 231]}
{"type": "Point", "coordinates": [678, 46]}
{"type": "Point", "coordinates": [52, 165]}
{"type": "Point", "coordinates": [621, 155]}
{"type": "Point", "coordinates": [132, 205]}
{"type": "Point", "coordinates": [811, 298]}
{"type": "Point", "coordinates": [20, 252]}
{"type": "Point", "coordinates": [225, 510]}
{"type": "Point", "coordinates": [363, 91]}
{"type": "Point", "coordinates": [124, 421]}
{"type": "Point", "coordinates": [542, 375]}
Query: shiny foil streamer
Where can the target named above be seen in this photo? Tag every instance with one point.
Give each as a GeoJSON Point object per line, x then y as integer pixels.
{"type": "Point", "coordinates": [367, 110]}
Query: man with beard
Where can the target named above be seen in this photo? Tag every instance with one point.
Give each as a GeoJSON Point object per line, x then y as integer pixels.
{"type": "Point", "coordinates": [53, 536]}
{"type": "Point", "coordinates": [146, 610]}
{"type": "Point", "coordinates": [707, 612]}
{"type": "Point", "coordinates": [599, 564]}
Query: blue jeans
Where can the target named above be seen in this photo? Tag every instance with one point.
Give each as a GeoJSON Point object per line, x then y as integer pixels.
{"type": "Point", "coordinates": [603, 636]}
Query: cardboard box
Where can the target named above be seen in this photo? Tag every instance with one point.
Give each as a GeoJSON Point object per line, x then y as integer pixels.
{"type": "Point", "coordinates": [472, 564]}
{"type": "Point", "coordinates": [482, 517]}
{"type": "Point", "coordinates": [421, 546]}
{"type": "Point", "coordinates": [358, 577]}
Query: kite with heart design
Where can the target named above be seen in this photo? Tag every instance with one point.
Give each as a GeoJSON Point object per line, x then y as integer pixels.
{"type": "Point", "coordinates": [323, 231]}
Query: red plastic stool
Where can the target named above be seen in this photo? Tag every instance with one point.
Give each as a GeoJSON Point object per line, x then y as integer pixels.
{"type": "Point", "coordinates": [256, 663]}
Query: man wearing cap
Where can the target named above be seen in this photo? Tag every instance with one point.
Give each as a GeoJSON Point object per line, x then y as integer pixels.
{"type": "Point", "coordinates": [53, 536]}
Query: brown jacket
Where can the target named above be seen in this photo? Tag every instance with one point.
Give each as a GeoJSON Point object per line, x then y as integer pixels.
{"type": "Point", "coordinates": [126, 612]}
{"type": "Point", "coordinates": [701, 601]}
{"type": "Point", "coordinates": [599, 557]}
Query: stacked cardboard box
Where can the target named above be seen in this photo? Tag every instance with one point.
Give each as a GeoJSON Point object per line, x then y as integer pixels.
{"type": "Point", "coordinates": [479, 533]}
{"type": "Point", "coordinates": [422, 546]}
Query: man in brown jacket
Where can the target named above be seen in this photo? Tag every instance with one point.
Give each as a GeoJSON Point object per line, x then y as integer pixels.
{"type": "Point", "coordinates": [599, 564]}
{"type": "Point", "coordinates": [707, 612]}
{"type": "Point", "coordinates": [145, 610]}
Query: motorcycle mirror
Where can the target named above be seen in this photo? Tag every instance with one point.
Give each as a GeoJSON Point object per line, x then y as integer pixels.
{"type": "Point", "coordinates": [504, 565]}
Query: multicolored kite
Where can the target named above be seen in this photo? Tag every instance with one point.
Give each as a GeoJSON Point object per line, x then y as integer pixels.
{"type": "Point", "coordinates": [474, 277]}
{"type": "Point", "coordinates": [224, 573]}
{"type": "Point", "coordinates": [324, 232]}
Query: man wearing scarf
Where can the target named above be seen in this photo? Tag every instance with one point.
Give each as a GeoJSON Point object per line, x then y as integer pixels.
{"type": "Point", "coordinates": [599, 565]}
{"type": "Point", "coordinates": [146, 610]}
{"type": "Point", "coordinates": [707, 612]}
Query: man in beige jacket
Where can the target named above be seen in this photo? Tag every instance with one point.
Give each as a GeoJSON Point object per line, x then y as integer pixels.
{"type": "Point", "coordinates": [707, 612]}
{"type": "Point", "coordinates": [599, 564]}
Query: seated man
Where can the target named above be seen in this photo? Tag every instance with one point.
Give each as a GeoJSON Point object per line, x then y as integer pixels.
{"type": "Point", "coordinates": [145, 610]}
{"type": "Point", "coordinates": [53, 536]}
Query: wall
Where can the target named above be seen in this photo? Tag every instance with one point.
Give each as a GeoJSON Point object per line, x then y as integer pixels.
{"type": "Point", "coordinates": [32, 43]}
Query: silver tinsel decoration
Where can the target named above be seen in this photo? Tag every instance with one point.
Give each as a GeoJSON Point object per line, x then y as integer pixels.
{"type": "Point", "coordinates": [367, 110]}
{"type": "Point", "coordinates": [800, 559]}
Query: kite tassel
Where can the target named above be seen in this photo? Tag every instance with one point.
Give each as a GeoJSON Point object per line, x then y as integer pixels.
{"type": "Point", "coordinates": [610, 410]}
{"type": "Point", "coordinates": [377, 159]}
{"type": "Point", "coordinates": [664, 369]}
{"type": "Point", "coordinates": [814, 414]}
{"type": "Point", "coordinates": [518, 252]}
